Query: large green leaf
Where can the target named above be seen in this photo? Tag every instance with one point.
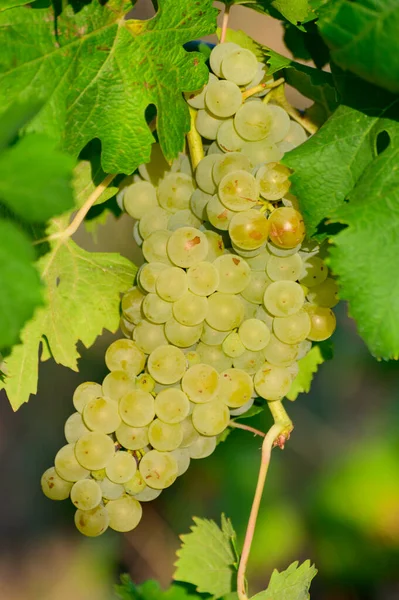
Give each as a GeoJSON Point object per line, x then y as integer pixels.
{"type": "Point", "coordinates": [83, 296]}
{"type": "Point", "coordinates": [151, 590]}
{"type": "Point", "coordinates": [207, 557]}
{"type": "Point", "coordinates": [308, 366]}
{"type": "Point", "coordinates": [100, 72]}
{"type": "Point", "coordinates": [291, 584]}
{"type": "Point", "coordinates": [363, 37]}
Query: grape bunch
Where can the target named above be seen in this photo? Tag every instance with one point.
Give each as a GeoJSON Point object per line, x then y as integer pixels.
{"type": "Point", "coordinates": [229, 297]}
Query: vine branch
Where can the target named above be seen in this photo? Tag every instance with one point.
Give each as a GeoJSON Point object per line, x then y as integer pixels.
{"type": "Point", "coordinates": [194, 141]}
{"type": "Point", "coordinates": [225, 23]}
{"type": "Point", "coordinates": [274, 433]}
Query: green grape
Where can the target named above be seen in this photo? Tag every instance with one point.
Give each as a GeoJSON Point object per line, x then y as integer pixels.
{"type": "Point", "coordinates": [183, 218]}
{"type": "Point", "coordinates": [200, 383]}
{"type": "Point", "coordinates": [249, 308]}
{"type": "Point", "coordinates": [254, 334]}
{"type": "Point", "coordinates": [258, 78]}
{"type": "Point", "coordinates": [203, 173]}
{"type": "Point", "coordinates": [218, 53]}
{"type": "Point", "coordinates": [126, 327]}
{"type": "Point", "coordinates": [261, 152]}
{"type": "Point", "coordinates": [280, 123]}
{"type": "Point", "coordinates": [207, 125]}
{"type": "Point", "coordinates": [137, 408]}
{"type": "Point", "coordinates": [271, 382]}
{"type": "Point", "coordinates": [240, 66]}
{"type": "Point", "coordinates": [92, 523]}
{"type": "Point", "coordinates": [303, 348]}
{"type": "Point", "coordinates": [236, 388]}
{"type": "Point", "coordinates": [187, 246]}
{"type": "Point", "coordinates": [172, 406]}
{"type": "Point", "coordinates": [260, 260]}
{"type": "Point", "coordinates": [280, 354]}
{"type": "Point", "coordinates": [238, 191]}
{"type": "Point", "coordinates": [156, 168]}
{"type": "Point", "coordinates": [154, 247]}
{"type": "Point", "coordinates": [124, 355]}
{"type": "Point", "coordinates": [192, 358]}
{"type": "Point", "coordinates": [74, 428]}
{"type": "Point", "coordinates": [273, 179]}
{"type": "Point", "coordinates": [228, 139]}
{"type": "Point", "coordinates": [212, 336]}
{"type": "Point", "coordinates": [211, 418]}
{"type": "Point", "coordinates": [67, 465]}
{"type": "Point", "coordinates": [225, 311]}
{"type": "Point", "coordinates": [153, 220]}
{"type": "Point", "coordinates": [283, 298]}
{"type": "Point", "coordinates": [199, 201]}
{"type": "Point", "coordinates": [236, 412]}
{"type": "Point", "coordinates": [174, 191]}
{"type": "Point", "coordinates": [172, 284]}
{"type": "Point", "coordinates": [218, 215]}
{"type": "Point", "coordinates": [247, 253]}
{"type": "Point", "coordinates": [293, 329]}
{"type": "Point", "coordinates": [214, 148]}
{"type": "Point", "coordinates": [124, 514]}
{"type": "Point", "coordinates": [149, 336]}
{"type": "Point", "coordinates": [256, 287]}
{"type": "Point", "coordinates": [167, 364]}
{"type": "Point", "coordinates": [249, 361]}
{"type": "Point", "coordinates": [282, 252]}
{"type": "Point", "coordinates": [215, 245]}
{"type": "Point", "coordinates": [197, 99]}
{"type": "Point", "coordinates": [203, 447]}
{"type": "Point", "coordinates": [158, 469]}
{"type": "Point", "coordinates": [203, 278]}
{"type": "Point", "coordinates": [148, 494]}
{"type": "Point", "coordinates": [86, 494]}
{"type": "Point", "coordinates": [322, 322]}
{"type": "Point", "coordinates": [214, 355]}
{"type": "Point", "coordinates": [165, 436]}
{"type": "Point", "coordinates": [139, 198]}
{"type": "Point", "coordinates": [135, 485]}
{"type": "Point", "coordinates": [230, 163]}
{"type": "Point", "coordinates": [116, 384]}
{"type": "Point", "coordinates": [156, 309]}
{"type": "Point", "coordinates": [145, 382]}
{"type": "Point", "coordinates": [314, 271]}
{"type": "Point", "coordinates": [111, 490]}
{"type": "Point", "coordinates": [296, 134]}
{"type": "Point", "coordinates": [253, 121]}
{"type": "Point", "coordinates": [53, 486]}
{"type": "Point", "coordinates": [101, 414]}
{"type": "Point", "coordinates": [94, 450]}
{"type": "Point", "coordinates": [249, 229]}
{"type": "Point", "coordinates": [182, 456]}
{"type": "Point", "coordinates": [191, 309]}
{"type": "Point", "coordinates": [148, 274]}
{"type": "Point", "coordinates": [121, 468]}
{"type": "Point", "coordinates": [286, 227]}
{"type": "Point", "coordinates": [234, 273]}
{"type": "Point", "coordinates": [223, 98]}
{"type": "Point", "coordinates": [131, 305]}
{"type": "Point", "coordinates": [284, 267]}
{"type": "Point", "coordinates": [85, 392]}
{"type": "Point", "coordinates": [132, 438]}
{"type": "Point", "coordinates": [190, 434]}
{"type": "Point", "coordinates": [325, 294]}
{"type": "Point", "coordinates": [180, 335]}
{"type": "Point", "coordinates": [262, 314]}
{"type": "Point", "coordinates": [232, 346]}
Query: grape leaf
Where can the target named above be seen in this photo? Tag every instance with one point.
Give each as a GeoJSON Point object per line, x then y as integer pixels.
{"type": "Point", "coordinates": [6, 4]}
{"type": "Point", "coordinates": [363, 37]}
{"type": "Point", "coordinates": [101, 72]}
{"type": "Point", "coordinates": [21, 290]}
{"type": "Point", "coordinates": [294, 11]}
{"type": "Point", "coordinates": [207, 558]}
{"type": "Point", "coordinates": [291, 584]}
{"type": "Point", "coordinates": [151, 590]}
{"type": "Point", "coordinates": [86, 177]}
{"type": "Point", "coordinates": [308, 366]}
{"type": "Point", "coordinates": [83, 296]}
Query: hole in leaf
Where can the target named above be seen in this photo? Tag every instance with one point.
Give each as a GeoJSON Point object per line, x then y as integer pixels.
{"type": "Point", "coordinates": [382, 142]}
{"type": "Point", "coordinates": [143, 10]}
{"type": "Point", "coordinates": [326, 229]}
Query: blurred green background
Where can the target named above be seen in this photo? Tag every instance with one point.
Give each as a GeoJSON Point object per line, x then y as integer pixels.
{"type": "Point", "coordinates": [332, 495]}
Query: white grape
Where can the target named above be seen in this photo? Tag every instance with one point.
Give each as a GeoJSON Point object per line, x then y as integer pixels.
{"type": "Point", "coordinates": [74, 428]}
{"type": "Point", "coordinates": [148, 274]}
{"type": "Point", "coordinates": [132, 438]}
{"type": "Point", "coordinates": [92, 522]}
{"type": "Point", "coordinates": [124, 513]}
{"type": "Point", "coordinates": [172, 406]}
{"type": "Point", "coordinates": [248, 229]}
{"type": "Point", "coordinates": [202, 447]}
{"type": "Point", "coordinates": [201, 383]}
{"type": "Point", "coordinates": [240, 66]}
{"type": "Point", "coordinates": [67, 465]}
{"type": "Point", "coordinates": [220, 52]}
{"type": "Point", "coordinates": [203, 278]}
{"type": "Point", "coordinates": [225, 311]}
{"type": "Point", "coordinates": [207, 125]}
{"type": "Point", "coordinates": [53, 486]}
{"type": "Point", "coordinates": [116, 384]}
{"type": "Point", "coordinates": [223, 98]}
{"type": "Point", "coordinates": [228, 139]}
{"type": "Point", "coordinates": [139, 198]}
{"type": "Point", "coordinates": [153, 220]}
{"type": "Point", "coordinates": [86, 494]}
{"type": "Point", "coordinates": [166, 364]}
{"type": "Point", "coordinates": [125, 355]}
{"type": "Point", "coordinates": [182, 335]}
{"type": "Point", "coordinates": [236, 387]}
{"type": "Point", "coordinates": [203, 173]}
{"type": "Point", "coordinates": [283, 298]}
{"type": "Point", "coordinates": [156, 309]}
{"type": "Point", "coordinates": [165, 436]}
{"type": "Point", "coordinates": [94, 450]}
{"type": "Point", "coordinates": [187, 246]}
{"type": "Point", "coordinates": [121, 468]}
{"type": "Point", "coordinates": [212, 336]}
{"type": "Point", "coordinates": [292, 329]}
{"type": "Point", "coordinates": [230, 162]}
{"type": "Point", "coordinates": [172, 284]}
{"type": "Point", "coordinates": [154, 246]}
{"type": "Point", "coordinates": [149, 336]}
{"type": "Point", "coordinates": [234, 273]}
{"type": "Point", "coordinates": [254, 334]}
{"type": "Point", "coordinates": [238, 190]}
{"type": "Point", "coordinates": [137, 407]}
{"type": "Point", "coordinates": [218, 215]}
{"type": "Point", "coordinates": [232, 346]}
{"type": "Point", "coordinates": [211, 418]}
{"type": "Point", "coordinates": [85, 392]}
{"type": "Point", "coordinates": [158, 469]}
{"type": "Point", "coordinates": [174, 191]}
{"type": "Point", "coordinates": [101, 414]}
{"type": "Point", "coordinates": [271, 382]}
{"type": "Point", "coordinates": [253, 121]}
{"type": "Point", "coordinates": [284, 267]}
{"type": "Point", "coordinates": [214, 355]}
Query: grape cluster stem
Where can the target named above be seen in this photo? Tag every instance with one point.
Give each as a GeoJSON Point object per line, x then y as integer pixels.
{"type": "Point", "coordinates": [236, 425]}
{"type": "Point", "coordinates": [225, 23]}
{"type": "Point", "coordinates": [272, 438]}
{"type": "Point", "coordinates": [262, 86]}
{"type": "Point", "coordinates": [194, 141]}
